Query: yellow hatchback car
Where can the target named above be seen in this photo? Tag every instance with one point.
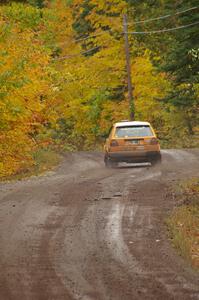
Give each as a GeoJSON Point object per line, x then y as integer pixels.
{"type": "Point", "coordinates": [132, 142]}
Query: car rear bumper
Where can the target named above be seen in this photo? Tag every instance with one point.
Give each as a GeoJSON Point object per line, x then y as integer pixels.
{"type": "Point", "coordinates": [134, 156]}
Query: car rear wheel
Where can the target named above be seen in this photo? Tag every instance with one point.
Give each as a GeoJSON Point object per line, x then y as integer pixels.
{"type": "Point", "coordinates": [156, 160]}
{"type": "Point", "coordinates": [109, 163]}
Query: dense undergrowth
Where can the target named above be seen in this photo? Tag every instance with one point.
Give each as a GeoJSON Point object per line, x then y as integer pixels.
{"type": "Point", "coordinates": [183, 224]}
{"type": "Point", "coordinates": [44, 159]}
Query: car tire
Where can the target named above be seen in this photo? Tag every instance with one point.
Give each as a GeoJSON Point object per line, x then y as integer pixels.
{"type": "Point", "coordinates": [109, 163]}
{"type": "Point", "coordinates": [156, 161]}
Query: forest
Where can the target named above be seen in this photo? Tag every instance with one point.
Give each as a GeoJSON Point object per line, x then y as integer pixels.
{"type": "Point", "coordinates": [63, 79]}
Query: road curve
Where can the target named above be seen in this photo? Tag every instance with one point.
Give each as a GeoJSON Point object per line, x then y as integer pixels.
{"type": "Point", "coordinates": [84, 232]}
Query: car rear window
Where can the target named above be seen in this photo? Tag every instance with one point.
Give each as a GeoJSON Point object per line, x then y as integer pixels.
{"type": "Point", "coordinates": [133, 131]}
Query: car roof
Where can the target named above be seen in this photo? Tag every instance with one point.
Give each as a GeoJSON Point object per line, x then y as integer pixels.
{"type": "Point", "coordinates": [131, 123]}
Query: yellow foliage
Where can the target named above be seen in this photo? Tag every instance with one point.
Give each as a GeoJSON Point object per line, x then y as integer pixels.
{"type": "Point", "coordinates": [25, 88]}
{"type": "Point", "coordinates": [149, 88]}
{"type": "Point", "coordinates": [50, 88]}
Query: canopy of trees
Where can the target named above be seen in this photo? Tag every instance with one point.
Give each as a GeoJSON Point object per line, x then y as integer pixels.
{"type": "Point", "coordinates": [63, 74]}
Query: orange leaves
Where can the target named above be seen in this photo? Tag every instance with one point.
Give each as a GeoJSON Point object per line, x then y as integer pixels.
{"type": "Point", "coordinates": [31, 79]}
{"type": "Point", "coordinates": [15, 149]}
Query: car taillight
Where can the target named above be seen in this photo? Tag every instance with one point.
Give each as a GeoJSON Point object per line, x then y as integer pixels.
{"type": "Point", "coordinates": [153, 141]}
{"type": "Point", "coordinates": [114, 143]}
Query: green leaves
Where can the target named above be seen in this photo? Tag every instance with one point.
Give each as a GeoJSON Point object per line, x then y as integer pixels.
{"type": "Point", "coordinates": [27, 17]}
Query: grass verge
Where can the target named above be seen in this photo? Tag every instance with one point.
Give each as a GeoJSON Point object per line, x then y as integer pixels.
{"type": "Point", "coordinates": [183, 224]}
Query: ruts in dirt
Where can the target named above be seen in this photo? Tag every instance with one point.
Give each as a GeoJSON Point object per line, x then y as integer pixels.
{"type": "Point", "coordinates": [84, 232]}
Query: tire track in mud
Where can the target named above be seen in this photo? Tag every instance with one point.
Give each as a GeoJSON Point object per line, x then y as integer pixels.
{"type": "Point", "coordinates": [80, 242]}
{"type": "Point", "coordinates": [149, 245]}
{"type": "Point", "coordinates": [94, 234]}
{"type": "Point", "coordinates": [106, 235]}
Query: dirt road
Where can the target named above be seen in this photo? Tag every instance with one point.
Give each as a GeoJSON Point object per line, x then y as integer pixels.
{"type": "Point", "coordinates": [90, 233]}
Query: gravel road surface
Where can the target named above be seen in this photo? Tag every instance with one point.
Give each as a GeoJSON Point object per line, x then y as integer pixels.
{"type": "Point", "coordinates": [84, 232]}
